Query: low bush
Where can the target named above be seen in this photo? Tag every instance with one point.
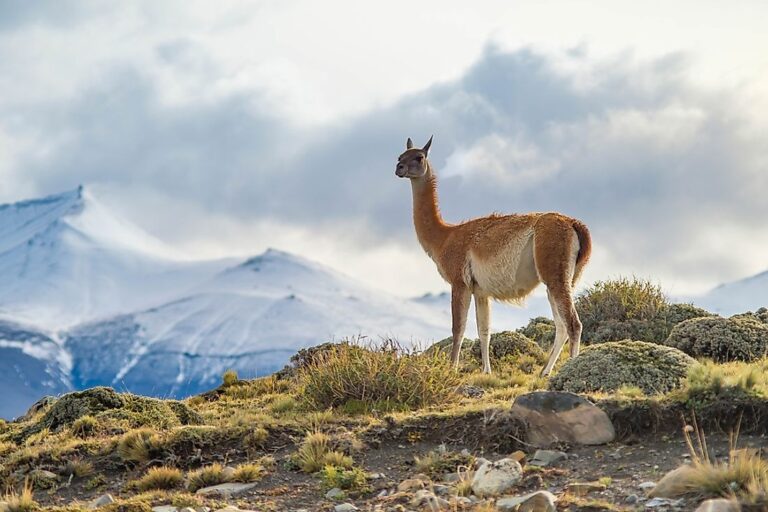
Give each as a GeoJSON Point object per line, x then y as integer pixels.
{"type": "Point", "coordinates": [630, 309]}
{"type": "Point", "coordinates": [347, 479]}
{"type": "Point", "coordinates": [606, 367]}
{"type": "Point", "coordinates": [541, 330]}
{"type": "Point", "coordinates": [507, 348]}
{"type": "Point", "coordinates": [739, 338]}
{"type": "Point", "coordinates": [375, 374]}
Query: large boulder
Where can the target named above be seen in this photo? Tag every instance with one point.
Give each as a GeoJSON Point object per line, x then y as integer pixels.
{"type": "Point", "coordinates": [739, 338]}
{"type": "Point", "coordinates": [553, 417]}
{"type": "Point", "coordinates": [608, 366]}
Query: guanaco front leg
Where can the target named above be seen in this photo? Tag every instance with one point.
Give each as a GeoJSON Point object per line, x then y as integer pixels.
{"type": "Point", "coordinates": [483, 315]}
{"type": "Point", "coordinates": [460, 299]}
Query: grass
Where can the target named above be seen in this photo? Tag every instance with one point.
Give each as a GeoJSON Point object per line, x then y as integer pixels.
{"type": "Point", "coordinates": [22, 501]}
{"type": "Point", "coordinates": [378, 373]}
{"type": "Point", "coordinates": [206, 477]}
{"type": "Point", "coordinates": [439, 462]}
{"type": "Point", "coordinates": [163, 477]}
{"type": "Point", "coordinates": [229, 378]}
{"type": "Point", "coordinates": [85, 427]}
{"type": "Point", "coordinates": [248, 473]}
{"type": "Point", "coordinates": [78, 468]}
{"type": "Point", "coordinates": [140, 445]}
{"type": "Point", "coordinates": [310, 457]}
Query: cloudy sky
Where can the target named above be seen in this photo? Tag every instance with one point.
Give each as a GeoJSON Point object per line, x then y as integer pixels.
{"type": "Point", "coordinates": [229, 127]}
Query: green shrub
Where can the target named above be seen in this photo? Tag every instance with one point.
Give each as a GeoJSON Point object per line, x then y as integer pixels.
{"type": "Point", "coordinates": [508, 348]}
{"type": "Point", "coordinates": [629, 309]}
{"type": "Point", "coordinates": [348, 372]}
{"type": "Point", "coordinates": [608, 366]}
{"type": "Point", "coordinates": [347, 479]}
{"type": "Point", "coordinates": [739, 338]}
{"type": "Point", "coordinates": [541, 330]}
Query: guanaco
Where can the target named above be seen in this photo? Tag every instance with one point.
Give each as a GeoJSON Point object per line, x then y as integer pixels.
{"type": "Point", "coordinates": [501, 257]}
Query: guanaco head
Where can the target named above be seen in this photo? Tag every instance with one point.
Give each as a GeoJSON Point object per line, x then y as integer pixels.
{"type": "Point", "coordinates": [413, 163]}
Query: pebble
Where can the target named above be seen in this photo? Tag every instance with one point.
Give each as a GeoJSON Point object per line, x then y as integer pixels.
{"type": "Point", "coordinates": [104, 499]}
{"type": "Point", "coordinates": [647, 486]}
{"type": "Point", "coordinates": [334, 494]}
{"type": "Point", "coordinates": [345, 507]}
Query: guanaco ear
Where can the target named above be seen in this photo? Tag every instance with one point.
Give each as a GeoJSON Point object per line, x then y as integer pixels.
{"type": "Point", "coordinates": [409, 143]}
{"type": "Point", "coordinates": [425, 149]}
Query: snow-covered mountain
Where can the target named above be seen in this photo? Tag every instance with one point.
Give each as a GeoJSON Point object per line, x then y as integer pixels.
{"type": "Point", "coordinates": [746, 294]}
{"type": "Point", "coordinates": [66, 259]}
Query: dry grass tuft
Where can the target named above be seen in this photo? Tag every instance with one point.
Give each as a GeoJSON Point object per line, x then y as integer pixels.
{"type": "Point", "coordinates": [206, 477]}
{"type": "Point", "coordinates": [310, 457]}
{"type": "Point", "coordinates": [162, 477]}
{"type": "Point", "coordinates": [21, 502]}
{"type": "Point", "coordinates": [248, 473]}
{"type": "Point", "coordinates": [139, 445]}
{"type": "Point", "coordinates": [378, 374]}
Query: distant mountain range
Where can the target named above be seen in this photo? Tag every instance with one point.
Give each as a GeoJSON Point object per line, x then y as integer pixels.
{"type": "Point", "coordinates": [87, 298]}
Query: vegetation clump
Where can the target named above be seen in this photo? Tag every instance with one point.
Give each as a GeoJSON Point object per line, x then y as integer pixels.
{"type": "Point", "coordinates": [626, 308]}
{"type": "Point", "coordinates": [140, 445]}
{"type": "Point", "coordinates": [609, 366]}
{"type": "Point", "coordinates": [377, 374]}
{"type": "Point", "coordinates": [541, 330]}
{"type": "Point", "coordinates": [739, 338]}
{"type": "Point", "coordinates": [507, 348]}
{"type": "Point", "coordinates": [162, 477]}
{"type": "Point", "coordinates": [206, 477]}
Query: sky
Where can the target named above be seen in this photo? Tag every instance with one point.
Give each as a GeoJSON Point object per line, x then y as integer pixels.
{"type": "Point", "coordinates": [225, 128]}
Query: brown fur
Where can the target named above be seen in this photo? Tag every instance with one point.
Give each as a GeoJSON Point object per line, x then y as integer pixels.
{"type": "Point", "coordinates": [502, 257]}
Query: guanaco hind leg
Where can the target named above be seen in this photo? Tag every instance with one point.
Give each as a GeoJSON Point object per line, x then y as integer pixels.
{"type": "Point", "coordinates": [460, 299]}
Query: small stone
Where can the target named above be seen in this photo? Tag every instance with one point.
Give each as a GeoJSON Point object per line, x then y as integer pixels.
{"type": "Point", "coordinates": [202, 509]}
{"type": "Point", "coordinates": [377, 476]}
{"type": "Point", "coordinates": [164, 508]}
{"type": "Point", "coordinates": [345, 507]}
{"type": "Point", "coordinates": [334, 494]}
{"type": "Point", "coordinates": [228, 472]}
{"type": "Point", "coordinates": [671, 483]}
{"type": "Point", "coordinates": [463, 502]}
{"type": "Point", "coordinates": [632, 499]}
{"type": "Point", "coordinates": [103, 500]}
{"type": "Point", "coordinates": [410, 484]}
{"type": "Point", "coordinates": [546, 458]}
{"type": "Point", "coordinates": [382, 494]}
{"type": "Point", "coordinates": [465, 453]}
{"type": "Point", "coordinates": [496, 478]}
{"type": "Point", "coordinates": [540, 501]}
{"type": "Point", "coordinates": [43, 474]}
{"type": "Point", "coordinates": [659, 502]}
{"type": "Point", "coordinates": [427, 499]}
{"type": "Point", "coordinates": [187, 509]}
{"type": "Point", "coordinates": [647, 486]}
{"type": "Point", "coordinates": [441, 490]}
{"type": "Point", "coordinates": [584, 488]}
{"type": "Point", "coordinates": [719, 505]}
{"type": "Point", "coordinates": [227, 490]}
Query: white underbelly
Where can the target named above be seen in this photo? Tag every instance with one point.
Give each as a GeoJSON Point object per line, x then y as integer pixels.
{"type": "Point", "coordinates": [510, 275]}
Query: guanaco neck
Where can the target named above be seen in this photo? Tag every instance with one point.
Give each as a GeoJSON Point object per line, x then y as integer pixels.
{"type": "Point", "coordinates": [431, 230]}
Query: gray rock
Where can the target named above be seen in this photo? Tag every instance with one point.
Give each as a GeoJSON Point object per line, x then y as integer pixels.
{"type": "Point", "coordinates": [496, 478]}
{"type": "Point", "coordinates": [345, 507]}
{"type": "Point", "coordinates": [719, 505]}
{"type": "Point", "coordinates": [663, 502]}
{"type": "Point", "coordinates": [104, 499]}
{"type": "Point", "coordinates": [164, 508]}
{"type": "Point", "coordinates": [540, 501]}
{"type": "Point", "coordinates": [632, 499]}
{"type": "Point", "coordinates": [555, 416]}
{"type": "Point", "coordinates": [647, 486]}
{"type": "Point", "coordinates": [202, 509]}
{"type": "Point", "coordinates": [188, 509]}
{"type": "Point", "coordinates": [441, 490]}
{"type": "Point", "coordinates": [427, 499]}
{"type": "Point", "coordinates": [227, 490]}
{"type": "Point", "coordinates": [546, 458]}
{"type": "Point", "coordinates": [334, 494]}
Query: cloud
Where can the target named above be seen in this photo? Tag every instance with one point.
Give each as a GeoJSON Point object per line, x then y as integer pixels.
{"type": "Point", "coordinates": [670, 177]}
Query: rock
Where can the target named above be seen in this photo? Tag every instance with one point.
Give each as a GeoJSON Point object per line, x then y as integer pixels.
{"type": "Point", "coordinates": [647, 486]}
{"type": "Point", "coordinates": [544, 458]}
{"type": "Point", "coordinates": [719, 505]}
{"type": "Point", "coordinates": [228, 472]}
{"type": "Point", "coordinates": [188, 509]}
{"type": "Point", "coordinates": [496, 478]}
{"type": "Point", "coordinates": [227, 490]}
{"type": "Point", "coordinates": [427, 499]}
{"type": "Point", "coordinates": [334, 494]}
{"type": "Point", "coordinates": [480, 461]}
{"type": "Point", "coordinates": [672, 484]}
{"type": "Point", "coordinates": [556, 416]}
{"type": "Point", "coordinates": [41, 405]}
{"type": "Point", "coordinates": [441, 490]}
{"type": "Point", "coordinates": [345, 507]}
{"type": "Point", "coordinates": [632, 499]}
{"type": "Point", "coordinates": [103, 500]}
{"type": "Point", "coordinates": [411, 484]}
{"type": "Point", "coordinates": [540, 501]}
{"type": "Point", "coordinates": [470, 391]}
{"type": "Point", "coordinates": [662, 502]}
{"type": "Point", "coordinates": [202, 509]}
{"type": "Point", "coordinates": [584, 488]}
{"type": "Point", "coordinates": [165, 508]}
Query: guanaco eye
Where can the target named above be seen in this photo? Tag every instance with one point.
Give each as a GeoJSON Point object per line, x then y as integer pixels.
{"type": "Point", "coordinates": [419, 158]}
